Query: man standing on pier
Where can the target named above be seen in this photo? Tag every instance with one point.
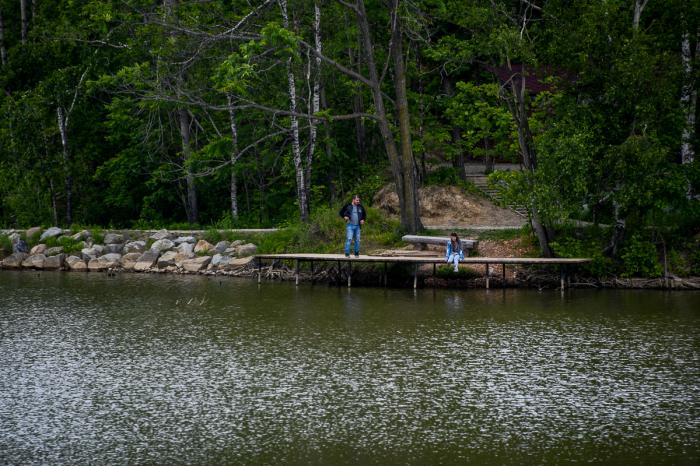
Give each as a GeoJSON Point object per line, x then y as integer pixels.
{"type": "Point", "coordinates": [354, 215]}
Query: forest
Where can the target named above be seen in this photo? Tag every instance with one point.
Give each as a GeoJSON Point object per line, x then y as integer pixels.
{"type": "Point", "coordinates": [258, 113]}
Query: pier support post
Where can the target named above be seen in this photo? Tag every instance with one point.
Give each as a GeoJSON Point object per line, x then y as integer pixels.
{"type": "Point", "coordinates": [259, 270]}
{"type": "Point", "coordinates": [434, 270]}
{"type": "Point", "coordinates": [296, 272]}
{"type": "Point", "coordinates": [562, 276]}
{"type": "Point", "coordinates": [349, 274]}
{"type": "Point", "coordinates": [487, 276]}
{"type": "Point", "coordinates": [504, 275]}
{"type": "Point", "coordinates": [415, 276]}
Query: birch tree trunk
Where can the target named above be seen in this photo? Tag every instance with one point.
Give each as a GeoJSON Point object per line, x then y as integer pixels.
{"type": "Point", "coordinates": [294, 126]}
{"type": "Point", "coordinates": [314, 98]}
{"type": "Point", "coordinates": [68, 173]}
{"type": "Point", "coordinates": [689, 97]}
{"type": "Point", "coordinates": [234, 159]}
{"type": "Point", "coordinates": [639, 6]}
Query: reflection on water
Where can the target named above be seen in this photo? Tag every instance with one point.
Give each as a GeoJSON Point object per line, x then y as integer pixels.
{"type": "Point", "coordinates": [171, 370]}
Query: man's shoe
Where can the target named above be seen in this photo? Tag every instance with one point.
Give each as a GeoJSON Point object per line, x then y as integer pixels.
{"type": "Point", "coordinates": [347, 254]}
{"type": "Point", "coordinates": [357, 254]}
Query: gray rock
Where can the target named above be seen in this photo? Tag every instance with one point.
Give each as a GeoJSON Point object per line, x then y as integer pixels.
{"type": "Point", "coordinates": [146, 261]}
{"type": "Point", "coordinates": [202, 246]}
{"type": "Point", "coordinates": [167, 259]}
{"type": "Point", "coordinates": [54, 251]}
{"type": "Point", "coordinates": [161, 234]}
{"type": "Point", "coordinates": [129, 260]}
{"type": "Point", "coordinates": [38, 249]}
{"type": "Point", "coordinates": [113, 238]}
{"type": "Point", "coordinates": [34, 262]}
{"type": "Point", "coordinates": [94, 265]}
{"type": "Point", "coordinates": [92, 252]}
{"type": "Point", "coordinates": [162, 245]}
{"type": "Point", "coordinates": [81, 235]}
{"type": "Point", "coordinates": [239, 262]}
{"type": "Point", "coordinates": [235, 243]}
{"type": "Point", "coordinates": [76, 264]}
{"type": "Point", "coordinates": [52, 232]}
{"type": "Point", "coordinates": [221, 246]}
{"type": "Point", "coordinates": [134, 246]}
{"type": "Point", "coordinates": [111, 260]}
{"type": "Point", "coordinates": [246, 250]}
{"type": "Point", "coordinates": [184, 239]}
{"type": "Point", "coordinates": [14, 237]}
{"type": "Point", "coordinates": [185, 248]}
{"type": "Point", "coordinates": [219, 261]}
{"type": "Point", "coordinates": [114, 248]}
{"type": "Point", "coordinates": [14, 261]}
{"type": "Point", "coordinates": [54, 262]}
{"type": "Point", "coordinates": [196, 264]}
{"type": "Point", "coordinates": [33, 231]}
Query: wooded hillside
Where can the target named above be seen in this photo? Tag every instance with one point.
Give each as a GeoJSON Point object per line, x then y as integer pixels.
{"type": "Point", "coordinates": [253, 113]}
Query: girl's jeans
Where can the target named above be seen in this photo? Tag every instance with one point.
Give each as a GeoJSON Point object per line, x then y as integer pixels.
{"type": "Point", "coordinates": [352, 231]}
{"type": "Point", "coordinates": [454, 258]}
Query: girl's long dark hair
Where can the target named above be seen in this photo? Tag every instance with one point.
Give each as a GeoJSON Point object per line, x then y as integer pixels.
{"type": "Point", "coordinates": [454, 243]}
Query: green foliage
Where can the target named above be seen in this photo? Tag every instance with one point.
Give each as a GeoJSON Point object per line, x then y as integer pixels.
{"type": "Point", "coordinates": [448, 176]}
{"type": "Point", "coordinates": [68, 244]}
{"type": "Point", "coordinates": [5, 246]}
{"type": "Point", "coordinates": [447, 272]}
{"type": "Point", "coordinates": [640, 258]}
{"type": "Point", "coordinates": [600, 265]}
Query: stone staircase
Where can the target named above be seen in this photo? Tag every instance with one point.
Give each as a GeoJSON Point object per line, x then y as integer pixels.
{"type": "Point", "coordinates": [481, 181]}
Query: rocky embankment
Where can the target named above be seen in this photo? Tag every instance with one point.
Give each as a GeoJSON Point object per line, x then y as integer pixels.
{"type": "Point", "coordinates": [162, 251]}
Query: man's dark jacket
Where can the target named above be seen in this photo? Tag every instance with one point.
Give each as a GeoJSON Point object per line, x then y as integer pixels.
{"type": "Point", "coordinates": [346, 211]}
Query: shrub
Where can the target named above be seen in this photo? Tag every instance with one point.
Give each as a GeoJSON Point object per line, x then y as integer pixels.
{"type": "Point", "coordinates": [5, 246]}
{"type": "Point", "coordinates": [599, 267]}
{"type": "Point", "coordinates": [639, 258]}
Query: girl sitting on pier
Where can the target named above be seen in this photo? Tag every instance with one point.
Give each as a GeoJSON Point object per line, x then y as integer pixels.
{"type": "Point", "coordinates": [454, 253]}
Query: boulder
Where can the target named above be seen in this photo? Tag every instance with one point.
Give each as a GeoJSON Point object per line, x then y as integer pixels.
{"type": "Point", "coordinates": [129, 260]}
{"type": "Point", "coordinates": [94, 265]}
{"type": "Point", "coordinates": [81, 235]}
{"type": "Point", "coordinates": [76, 264]}
{"type": "Point", "coordinates": [219, 261]}
{"type": "Point", "coordinates": [52, 232]}
{"type": "Point", "coordinates": [54, 251]}
{"type": "Point", "coordinates": [161, 234]}
{"type": "Point", "coordinates": [162, 245]}
{"type": "Point", "coordinates": [167, 259]}
{"type": "Point", "coordinates": [38, 249]}
{"type": "Point", "coordinates": [111, 260]}
{"type": "Point", "coordinates": [185, 248]}
{"type": "Point", "coordinates": [113, 238]}
{"type": "Point", "coordinates": [33, 232]}
{"type": "Point", "coordinates": [54, 262]}
{"type": "Point", "coordinates": [114, 248]}
{"type": "Point", "coordinates": [134, 246]}
{"type": "Point", "coordinates": [202, 246]}
{"type": "Point", "coordinates": [245, 250]}
{"type": "Point", "coordinates": [239, 262]}
{"type": "Point", "coordinates": [34, 262]}
{"type": "Point", "coordinates": [235, 243]}
{"type": "Point", "coordinates": [146, 261]}
{"type": "Point", "coordinates": [185, 239]}
{"type": "Point", "coordinates": [221, 246]}
{"type": "Point", "coordinates": [92, 252]}
{"type": "Point", "coordinates": [14, 237]}
{"type": "Point", "coordinates": [14, 261]}
{"type": "Point", "coordinates": [196, 264]}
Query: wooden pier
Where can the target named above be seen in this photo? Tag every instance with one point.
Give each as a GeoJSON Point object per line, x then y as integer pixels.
{"type": "Point", "coordinates": [416, 260]}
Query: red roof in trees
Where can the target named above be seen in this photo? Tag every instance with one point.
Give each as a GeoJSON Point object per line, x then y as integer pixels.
{"type": "Point", "coordinates": [537, 79]}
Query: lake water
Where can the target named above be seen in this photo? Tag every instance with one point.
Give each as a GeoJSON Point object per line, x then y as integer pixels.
{"type": "Point", "coordinates": [158, 369]}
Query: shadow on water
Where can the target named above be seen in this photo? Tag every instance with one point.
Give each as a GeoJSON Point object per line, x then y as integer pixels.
{"type": "Point", "coordinates": [171, 369]}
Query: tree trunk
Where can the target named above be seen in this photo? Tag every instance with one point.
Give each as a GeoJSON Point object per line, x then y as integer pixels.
{"type": "Point", "coordinates": [639, 6]}
{"type": "Point", "coordinates": [25, 20]}
{"type": "Point", "coordinates": [234, 159]}
{"type": "Point", "coordinates": [408, 162]}
{"type": "Point", "coordinates": [68, 172]}
{"type": "Point", "coordinates": [191, 209]}
{"type": "Point", "coordinates": [689, 97]}
{"type": "Point", "coordinates": [314, 98]}
{"type": "Point", "coordinates": [407, 205]}
{"type": "Point", "coordinates": [3, 49]}
{"type": "Point", "coordinates": [294, 126]}
{"type": "Point", "coordinates": [516, 104]}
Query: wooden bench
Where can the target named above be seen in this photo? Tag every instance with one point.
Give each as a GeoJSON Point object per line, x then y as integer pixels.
{"type": "Point", "coordinates": [468, 245]}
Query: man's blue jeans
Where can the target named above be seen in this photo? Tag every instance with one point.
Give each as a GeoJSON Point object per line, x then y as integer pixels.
{"type": "Point", "coordinates": [352, 232]}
